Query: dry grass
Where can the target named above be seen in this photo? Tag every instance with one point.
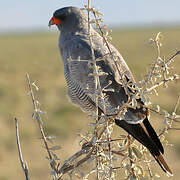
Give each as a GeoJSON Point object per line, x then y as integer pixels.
{"type": "Point", "coordinates": [38, 55]}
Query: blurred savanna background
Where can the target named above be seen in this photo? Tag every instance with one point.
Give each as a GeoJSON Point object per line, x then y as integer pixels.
{"type": "Point", "coordinates": [28, 46]}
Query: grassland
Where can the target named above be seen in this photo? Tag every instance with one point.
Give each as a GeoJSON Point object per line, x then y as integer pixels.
{"type": "Point", "coordinates": [37, 54]}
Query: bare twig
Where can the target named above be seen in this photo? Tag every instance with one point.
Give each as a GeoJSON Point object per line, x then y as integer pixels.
{"type": "Point", "coordinates": [109, 49]}
{"type": "Point", "coordinates": [97, 89]}
{"type": "Point", "coordinates": [169, 125]}
{"type": "Point", "coordinates": [118, 167]}
{"type": "Point", "coordinates": [158, 84]}
{"type": "Point", "coordinates": [161, 114]}
{"type": "Point", "coordinates": [23, 164]}
{"type": "Point", "coordinates": [158, 44]}
{"type": "Point", "coordinates": [115, 152]}
{"type": "Point", "coordinates": [111, 140]}
{"type": "Point", "coordinates": [177, 103]}
{"type": "Point", "coordinates": [109, 150]}
{"type": "Point", "coordinates": [172, 57]}
{"type": "Point", "coordinates": [67, 166]}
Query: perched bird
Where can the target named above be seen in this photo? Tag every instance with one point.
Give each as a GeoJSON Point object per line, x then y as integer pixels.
{"type": "Point", "coordinates": [77, 54]}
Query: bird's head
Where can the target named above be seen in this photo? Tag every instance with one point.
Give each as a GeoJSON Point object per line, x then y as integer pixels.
{"type": "Point", "coordinates": [69, 18]}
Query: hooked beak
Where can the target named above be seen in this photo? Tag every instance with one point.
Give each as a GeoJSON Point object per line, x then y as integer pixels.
{"type": "Point", "coordinates": [53, 21]}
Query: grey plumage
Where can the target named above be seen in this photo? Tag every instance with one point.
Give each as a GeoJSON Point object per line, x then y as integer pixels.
{"type": "Point", "coordinates": [74, 44]}
{"type": "Point", "coordinates": [77, 57]}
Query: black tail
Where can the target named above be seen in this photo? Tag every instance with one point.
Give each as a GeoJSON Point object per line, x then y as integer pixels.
{"type": "Point", "coordinates": [146, 135]}
{"type": "Point", "coordinates": [153, 135]}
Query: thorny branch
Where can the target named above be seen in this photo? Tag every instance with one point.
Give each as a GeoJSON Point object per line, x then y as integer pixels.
{"type": "Point", "coordinates": [97, 87]}
{"type": "Point", "coordinates": [168, 125]}
{"type": "Point", "coordinates": [158, 45]}
{"type": "Point", "coordinates": [114, 56]}
{"type": "Point", "coordinates": [164, 81]}
{"type": "Point", "coordinates": [98, 90]}
{"type": "Point", "coordinates": [37, 115]}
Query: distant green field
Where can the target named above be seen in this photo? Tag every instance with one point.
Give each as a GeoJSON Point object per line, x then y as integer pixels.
{"type": "Point", "coordinates": [38, 55]}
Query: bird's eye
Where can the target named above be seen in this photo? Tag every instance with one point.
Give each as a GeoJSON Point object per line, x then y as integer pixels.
{"type": "Point", "coordinates": [59, 16]}
{"type": "Point", "coordinates": [62, 17]}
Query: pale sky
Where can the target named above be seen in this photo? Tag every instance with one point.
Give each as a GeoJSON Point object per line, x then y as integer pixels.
{"type": "Point", "coordinates": [35, 14]}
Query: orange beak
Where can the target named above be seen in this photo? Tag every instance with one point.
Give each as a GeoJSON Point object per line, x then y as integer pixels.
{"type": "Point", "coordinates": [53, 21]}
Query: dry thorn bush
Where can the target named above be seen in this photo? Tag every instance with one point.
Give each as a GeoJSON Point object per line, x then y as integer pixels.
{"type": "Point", "coordinates": [108, 154]}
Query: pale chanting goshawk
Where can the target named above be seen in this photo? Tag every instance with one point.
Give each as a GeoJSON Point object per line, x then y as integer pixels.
{"type": "Point", "coordinates": [76, 52]}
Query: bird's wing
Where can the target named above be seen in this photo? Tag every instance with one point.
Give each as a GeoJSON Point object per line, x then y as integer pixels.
{"type": "Point", "coordinates": [78, 58]}
{"type": "Point", "coordinates": [77, 53]}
